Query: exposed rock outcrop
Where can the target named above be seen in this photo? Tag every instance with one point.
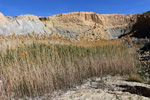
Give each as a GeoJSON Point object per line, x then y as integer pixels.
{"type": "Point", "coordinates": [106, 88]}
{"type": "Point", "coordinates": [81, 25]}
{"type": "Point", "coordinates": [89, 25]}
{"type": "Point", "coordinates": [142, 25]}
{"type": "Point", "coordinates": [21, 25]}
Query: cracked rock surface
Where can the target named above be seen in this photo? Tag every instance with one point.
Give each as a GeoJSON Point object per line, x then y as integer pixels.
{"type": "Point", "coordinates": [106, 88]}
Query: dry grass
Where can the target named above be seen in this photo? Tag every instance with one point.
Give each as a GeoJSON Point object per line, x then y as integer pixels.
{"type": "Point", "coordinates": [134, 78]}
{"type": "Point", "coordinates": [39, 64]}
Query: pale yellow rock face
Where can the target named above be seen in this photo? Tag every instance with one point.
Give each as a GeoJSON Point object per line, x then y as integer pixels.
{"type": "Point", "coordinates": [2, 19]}
{"type": "Point", "coordinates": [80, 25]}
{"type": "Point", "coordinates": [87, 24]}
{"type": "Point", "coordinates": [28, 16]}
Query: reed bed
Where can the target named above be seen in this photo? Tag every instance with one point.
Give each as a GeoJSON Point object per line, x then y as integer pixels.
{"type": "Point", "coordinates": [41, 65]}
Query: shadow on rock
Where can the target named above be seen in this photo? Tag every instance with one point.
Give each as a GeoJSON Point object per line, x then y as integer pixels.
{"type": "Point", "coordinates": [139, 90]}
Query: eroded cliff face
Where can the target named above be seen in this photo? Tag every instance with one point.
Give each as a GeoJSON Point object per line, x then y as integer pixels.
{"type": "Point", "coordinates": [89, 25]}
{"type": "Point", "coordinates": [81, 25]}
{"type": "Point", "coordinates": [141, 28]}
{"type": "Point", "coordinates": [21, 25]}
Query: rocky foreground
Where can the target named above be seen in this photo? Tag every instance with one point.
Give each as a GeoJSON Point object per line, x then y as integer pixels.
{"type": "Point", "coordinates": [106, 88]}
{"type": "Point", "coordinates": [81, 25]}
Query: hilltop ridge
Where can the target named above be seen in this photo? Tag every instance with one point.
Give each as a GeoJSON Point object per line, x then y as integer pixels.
{"type": "Point", "coordinates": [81, 25]}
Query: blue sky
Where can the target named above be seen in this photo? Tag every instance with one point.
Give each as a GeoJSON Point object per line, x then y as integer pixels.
{"type": "Point", "coordinates": [51, 7]}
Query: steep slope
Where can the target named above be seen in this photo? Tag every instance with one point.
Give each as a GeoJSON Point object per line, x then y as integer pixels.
{"type": "Point", "coordinates": [141, 28]}
{"type": "Point", "coordinates": [81, 25]}
{"type": "Point", "coordinates": [90, 25]}
{"type": "Point", "coordinates": [21, 25]}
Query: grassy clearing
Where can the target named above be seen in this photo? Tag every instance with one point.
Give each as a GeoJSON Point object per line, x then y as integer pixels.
{"type": "Point", "coordinates": [36, 68]}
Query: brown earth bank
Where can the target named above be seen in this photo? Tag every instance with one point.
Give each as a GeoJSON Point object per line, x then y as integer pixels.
{"type": "Point", "coordinates": [81, 25]}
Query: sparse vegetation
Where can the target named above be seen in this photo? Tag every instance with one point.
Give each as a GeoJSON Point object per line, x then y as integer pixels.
{"type": "Point", "coordinates": [37, 64]}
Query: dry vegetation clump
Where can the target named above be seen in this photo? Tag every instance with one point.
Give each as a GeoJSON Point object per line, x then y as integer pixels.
{"type": "Point", "coordinates": [40, 66]}
{"type": "Point", "coordinates": [134, 78]}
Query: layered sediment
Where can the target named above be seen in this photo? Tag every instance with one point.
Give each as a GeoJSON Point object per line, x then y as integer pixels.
{"type": "Point", "coordinates": [80, 25]}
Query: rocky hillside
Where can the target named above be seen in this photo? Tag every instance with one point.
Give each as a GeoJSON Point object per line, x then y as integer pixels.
{"type": "Point", "coordinates": [89, 25]}
{"type": "Point", "coordinates": [21, 25]}
{"type": "Point", "coordinates": [81, 25]}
